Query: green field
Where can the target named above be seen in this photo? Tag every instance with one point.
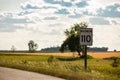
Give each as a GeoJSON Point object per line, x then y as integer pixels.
{"type": "Point", "coordinates": [65, 67]}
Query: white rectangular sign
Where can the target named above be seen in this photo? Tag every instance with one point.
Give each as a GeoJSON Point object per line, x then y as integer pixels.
{"type": "Point", "coordinates": [86, 36]}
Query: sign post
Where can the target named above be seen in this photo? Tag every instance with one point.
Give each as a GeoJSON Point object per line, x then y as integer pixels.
{"type": "Point", "coordinates": [86, 38]}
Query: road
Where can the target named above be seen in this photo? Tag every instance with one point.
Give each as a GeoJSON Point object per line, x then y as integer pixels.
{"type": "Point", "coordinates": [14, 74]}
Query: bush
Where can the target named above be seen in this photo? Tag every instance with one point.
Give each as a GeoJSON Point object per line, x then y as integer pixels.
{"type": "Point", "coordinates": [50, 59]}
{"type": "Point", "coordinates": [88, 57]}
{"type": "Point", "coordinates": [115, 62]}
{"type": "Point", "coordinates": [68, 58]}
{"type": "Point", "coordinates": [24, 62]}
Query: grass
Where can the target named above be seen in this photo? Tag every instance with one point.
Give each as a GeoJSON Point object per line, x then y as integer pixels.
{"type": "Point", "coordinates": [65, 67]}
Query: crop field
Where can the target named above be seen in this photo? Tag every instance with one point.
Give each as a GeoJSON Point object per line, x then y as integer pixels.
{"type": "Point", "coordinates": [93, 54]}
{"type": "Point", "coordinates": [71, 54]}
{"type": "Point", "coordinates": [66, 65]}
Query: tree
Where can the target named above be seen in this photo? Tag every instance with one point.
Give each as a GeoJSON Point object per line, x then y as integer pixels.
{"type": "Point", "coordinates": [72, 39]}
{"type": "Point", "coordinates": [13, 48]}
{"type": "Point", "coordinates": [32, 46]}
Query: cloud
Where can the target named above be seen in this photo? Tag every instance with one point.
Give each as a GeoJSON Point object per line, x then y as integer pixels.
{"type": "Point", "coordinates": [110, 11]}
{"type": "Point", "coordinates": [62, 11]}
{"type": "Point", "coordinates": [81, 4]}
{"type": "Point", "coordinates": [29, 6]}
{"type": "Point", "coordinates": [9, 27]}
{"type": "Point", "coordinates": [50, 18]}
{"type": "Point", "coordinates": [10, 22]}
{"type": "Point", "coordinates": [32, 4]}
{"type": "Point", "coordinates": [53, 32]}
{"type": "Point", "coordinates": [114, 22]}
{"type": "Point", "coordinates": [107, 36]}
{"type": "Point", "coordinates": [55, 25]}
{"type": "Point", "coordinates": [39, 6]}
{"type": "Point", "coordinates": [46, 30]}
{"type": "Point", "coordinates": [75, 16]}
{"type": "Point", "coordinates": [98, 21]}
{"type": "Point", "coordinates": [24, 13]}
{"type": "Point", "coordinates": [36, 18]}
{"type": "Point", "coordinates": [76, 13]}
{"type": "Point", "coordinates": [11, 18]}
{"type": "Point", "coordinates": [15, 21]}
{"type": "Point", "coordinates": [118, 9]}
{"type": "Point", "coordinates": [60, 2]}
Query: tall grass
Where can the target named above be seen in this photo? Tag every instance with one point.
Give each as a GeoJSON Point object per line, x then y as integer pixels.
{"type": "Point", "coordinates": [65, 67]}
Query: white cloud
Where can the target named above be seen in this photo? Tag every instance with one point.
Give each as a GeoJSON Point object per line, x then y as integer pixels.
{"type": "Point", "coordinates": [67, 0]}
{"type": "Point", "coordinates": [106, 36]}
{"type": "Point", "coordinates": [93, 6]}
{"type": "Point", "coordinates": [114, 21]}
{"type": "Point", "coordinates": [37, 21]}
{"type": "Point", "coordinates": [99, 21]}
{"type": "Point", "coordinates": [33, 4]}
{"type": "Point", "coordinates": [39, 4]}
{"type": "Point", "coordinates": [109, 11]}
{"type": "Point", "coordinates": [13, 5]}
{"type": "Point", "coordinates": [118, 9]}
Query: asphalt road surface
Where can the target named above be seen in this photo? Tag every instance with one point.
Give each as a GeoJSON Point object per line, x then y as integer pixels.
{"type": "Point", "coordinates": [14, 74]}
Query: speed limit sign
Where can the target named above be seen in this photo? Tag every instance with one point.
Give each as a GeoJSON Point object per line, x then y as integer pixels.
{"type": "Point", "coordinates": [86, 36]}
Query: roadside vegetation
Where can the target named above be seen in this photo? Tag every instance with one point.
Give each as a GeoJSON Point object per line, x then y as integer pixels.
{"type": "Point", "coordinates": [65, 67]}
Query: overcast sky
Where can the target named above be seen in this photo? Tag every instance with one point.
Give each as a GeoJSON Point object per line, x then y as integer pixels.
{"type": "Point", "coordinates": [45, 21]}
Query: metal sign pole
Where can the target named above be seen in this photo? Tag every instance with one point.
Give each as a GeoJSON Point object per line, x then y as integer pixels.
{"type": "Point", "coordinates": [85, 57]}
{"type": "Point", "coordinates": [86, 38]}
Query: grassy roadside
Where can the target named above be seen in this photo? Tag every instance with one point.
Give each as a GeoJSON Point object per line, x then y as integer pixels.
{"type": "Point", "coordinates": [65, 67]}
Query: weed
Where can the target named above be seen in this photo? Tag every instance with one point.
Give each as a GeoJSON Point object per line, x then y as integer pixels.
{"type": "Point", "coordinates": [24, 62]}
{"type": "Point", "coordinates": [115, 62]}
{"type": "Point", "coordinates": [50, 59]}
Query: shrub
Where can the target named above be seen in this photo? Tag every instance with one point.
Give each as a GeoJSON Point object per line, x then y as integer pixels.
{"type": "Point", "coordinates": [115, 62]}
{"type": "Point", "coordinates": [24, 62]}
{"type": "Point", "coordinates": [88, 57]}
{"type": "Point", "coordinates": [68, 58]}
{"type": "Point", "coordinates": [50, 59]}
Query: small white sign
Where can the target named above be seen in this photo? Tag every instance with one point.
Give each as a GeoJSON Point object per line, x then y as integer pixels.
{"type": "Point", "coordinates": [86, 36]}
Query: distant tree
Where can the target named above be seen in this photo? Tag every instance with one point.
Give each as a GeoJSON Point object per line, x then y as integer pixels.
{"type": "Point", "coordinates": [13, 48]}
{"type": "Point", "coordinates": [72, 39]}
{"type": "Point", "coordinates": [115, 50]}
{"type": "Point", "coordinates": [32, 46]}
